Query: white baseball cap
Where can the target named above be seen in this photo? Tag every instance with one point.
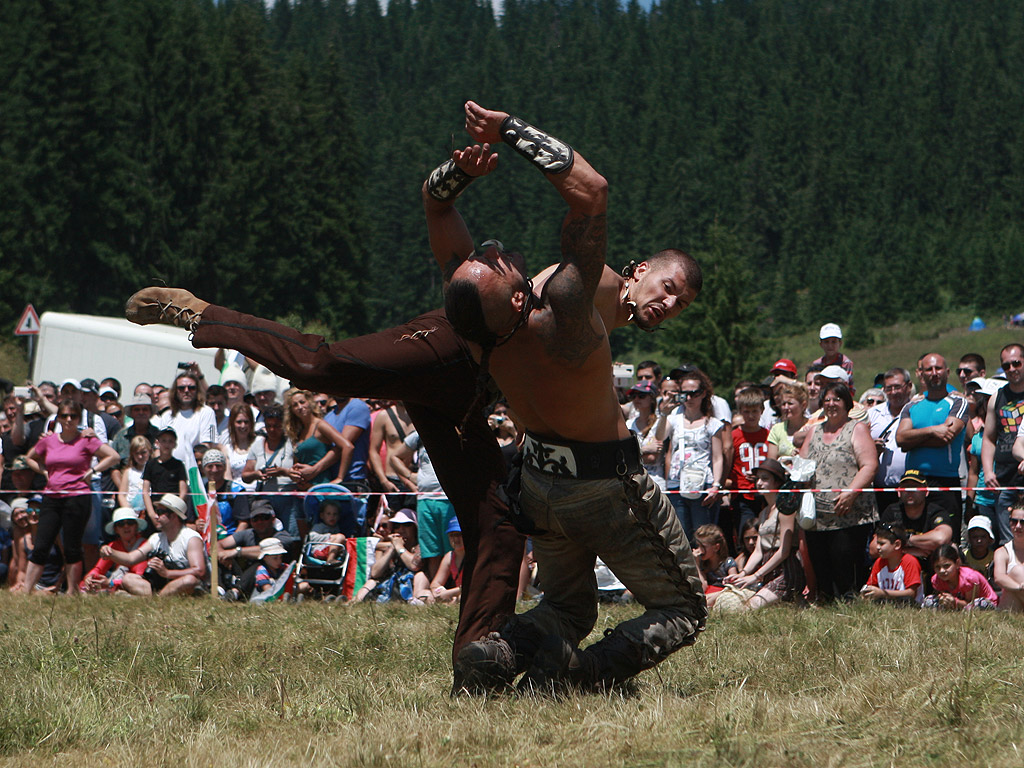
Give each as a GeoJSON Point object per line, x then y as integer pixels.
{"type": "Point", "coordinates": [830, 331]}
{"type": "Point", "coordinates": [835, 372]}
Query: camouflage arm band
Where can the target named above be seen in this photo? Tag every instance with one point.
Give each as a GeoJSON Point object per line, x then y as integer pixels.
{"type": "Point", "coordinates": [547, 153]}
{"type": "Point", "coordinates": [447, 181]}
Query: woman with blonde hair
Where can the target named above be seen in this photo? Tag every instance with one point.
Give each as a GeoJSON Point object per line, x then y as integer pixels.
{"type": "Point", "coordinates": [318, 445]}
{"type": "Point", "coordinates": [786, 437]}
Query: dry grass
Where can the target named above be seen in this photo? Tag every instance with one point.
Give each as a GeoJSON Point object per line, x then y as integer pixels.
{"type": "Point", "coordinates": [193, 683]}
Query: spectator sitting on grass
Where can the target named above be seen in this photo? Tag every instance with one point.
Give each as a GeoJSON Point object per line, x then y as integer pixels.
{"type": "Point", "coordinates": [175, 556]}
{"type": "Point", "coordinates": [398, 570]}
{"type": "Point", "coordinates": [107, 575]}
{"type": "Point", "coordinates": [20, 543]}
{"type": "Point", "coordinates": [271, 564]}
{"type": "Point", "coordinates": [446, 586]}
{"type": "Point", "coordinates": [773, 570]}
{"type": "Point", "coordinates": [239, 553]}
{"type": "Point", "coordinates": [712, 555]}
{"type": "Point", "coordinates": [978, 553]}
{"type": "Point", "coordinates": [896, 575]}
{"type": "Point", "coordinates": [957, 587]}
{"type": "Point", "coordinates": [1009, 561]}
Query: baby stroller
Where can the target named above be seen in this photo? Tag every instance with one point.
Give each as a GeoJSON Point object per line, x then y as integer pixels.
{"type": "Point", "coordinates": [320, 567]}
{"type": "Point", "coordinates": [325, 577]}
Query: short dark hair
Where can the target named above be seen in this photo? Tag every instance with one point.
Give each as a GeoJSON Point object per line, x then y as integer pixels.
{"type": "Point", "coordinates": [215, 389]}
{"type": "Point", "coordinates": [465, 311]}
{"type": "Point", "coordinates": [892, 532]}
{"type": "Point", "coordinates": [273, 412]}
{"type": "Point", "coordinates": [1011, 345]}
{"type": "Point", "coordinates": [840, 390]}
{"type": "Point", "coordinates": [750, 397]}
{"type": "Point", "coordinates": [815, 367]}
{"type": "Point", "coordinates": [650, 364]}
{"type": "Point", "coordinates": [691, 269]}
{"type": "Point", "coordinates": [975, 358]}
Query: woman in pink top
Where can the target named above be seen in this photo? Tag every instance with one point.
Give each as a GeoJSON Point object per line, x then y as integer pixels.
{"type": "Point", "coordinates": [65, 455]}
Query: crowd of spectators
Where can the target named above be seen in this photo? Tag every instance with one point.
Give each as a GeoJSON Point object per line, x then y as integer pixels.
{"type": "Point", "coordinates": [912, 493]}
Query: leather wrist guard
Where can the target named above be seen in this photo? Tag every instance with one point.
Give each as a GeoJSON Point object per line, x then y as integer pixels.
{"type": "Point", "coordinates": [549, 154]}
{"type": "Point", "coordinates": [447, 181]}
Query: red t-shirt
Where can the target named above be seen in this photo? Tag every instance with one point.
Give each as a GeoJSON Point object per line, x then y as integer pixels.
{"type": "Point", "coordinates": [67, 463]}
{"type": "Point", "coordinates": [749, 450]}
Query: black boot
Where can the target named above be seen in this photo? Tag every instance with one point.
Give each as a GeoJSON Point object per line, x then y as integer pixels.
{"type": "Point", "coordinates": [558, 667]}
{"type": "Point", "coordinates": [494, 661]}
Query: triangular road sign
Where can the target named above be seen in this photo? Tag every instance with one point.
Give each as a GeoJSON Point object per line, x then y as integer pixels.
{"type": "Point", "coordinates": [29, 323]}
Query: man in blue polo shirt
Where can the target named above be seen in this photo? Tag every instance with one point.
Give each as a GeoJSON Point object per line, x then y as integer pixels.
{"type": "Point", "coordinates": [931, 431]}
{"type": "Point", "coordinates": [351, 417]}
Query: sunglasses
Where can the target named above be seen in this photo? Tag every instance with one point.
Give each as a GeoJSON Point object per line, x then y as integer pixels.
{"type": "Point", "coordinates": [65, 415]}
{"type": "Point", "coordinates": [186, 387]}
{"type": "Point", "coordinates": [873, 401]}
{"type": "Point", "coordinates": [1012, 364]}
{"type": "Point", "coordinates": [1015, 521]}
{"type": "Point", "coordinates": [321, 403]}
{"type": "Point", "coordinates": [964, 371]}
{"type": "Point", "coordinates": [688, 393]}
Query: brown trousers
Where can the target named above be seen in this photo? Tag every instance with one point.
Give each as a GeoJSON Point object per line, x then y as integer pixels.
{"type": "Point", "coordinates": [425, 364]}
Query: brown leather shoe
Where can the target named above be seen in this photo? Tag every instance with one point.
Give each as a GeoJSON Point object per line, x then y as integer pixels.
{"type": "Point", "coordinates": [169, 306]}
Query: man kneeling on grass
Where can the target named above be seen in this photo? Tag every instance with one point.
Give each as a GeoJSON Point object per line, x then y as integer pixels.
{"type": "Point", "coordinates": [177, 558]}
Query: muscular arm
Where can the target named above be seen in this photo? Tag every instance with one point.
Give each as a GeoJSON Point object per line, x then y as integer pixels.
{"type": "Point", "coordinates": [909, 437]}
{"type": "Point", "coordinates": [571, 288]}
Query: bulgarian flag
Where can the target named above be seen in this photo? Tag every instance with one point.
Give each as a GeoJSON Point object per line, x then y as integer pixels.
{"type": "Point", "coordinates": [282, 587]}
{"type": "Point", "coordinates": [199, 498]}
{"type": "Point", "coordinates": [360, 561]}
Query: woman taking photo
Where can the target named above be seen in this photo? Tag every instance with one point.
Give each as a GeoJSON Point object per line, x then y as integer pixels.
{"type": "Point", "coordinates": [649, 427]}
{"type": "Point", "coordinates": [773, 569]}
{"type": "Point", "coordinates": [695, 460]}
{"type": "Point", "coordinates": [846, 458]}
{"type": "Point", "coordinates": [786, 437]}
{"type": "Point", "coordinates": [65, 455]}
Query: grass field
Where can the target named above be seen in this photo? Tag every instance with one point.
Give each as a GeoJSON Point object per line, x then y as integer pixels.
{"type": "Point", "coordinates": [109, 681]}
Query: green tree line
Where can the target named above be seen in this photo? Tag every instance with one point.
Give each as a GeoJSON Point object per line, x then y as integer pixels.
{"type": "Point", "coordinates": [846, 161]}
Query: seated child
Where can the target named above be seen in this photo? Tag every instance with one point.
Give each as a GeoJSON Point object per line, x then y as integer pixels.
{"type": "Point", "coordinates": [958, 587]}
{"type": "Point", "coordinates": [326, 530]}
{"type": "Point", "coordinates": [895, 576]}
{"type": "Point", "coordinates": [978, 554]}
{"type": "Point", "coordinates": [748, 541]}
{"type": "Point", "coordinates": [271, 564]}
{"type": "Point", "coordinates": [106, 576]}
{"type": "Point", "coordinates": [446, 586]}
{"type": "Point", "coordinates": [712, 555]}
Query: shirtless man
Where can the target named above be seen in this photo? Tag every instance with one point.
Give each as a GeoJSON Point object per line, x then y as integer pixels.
{"type": "Point", "coordinates": [426, 365]}
{"type": "Point", "coordinates": [389, 428]}
{"type": "Point", "coordinates": [583, 490]}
